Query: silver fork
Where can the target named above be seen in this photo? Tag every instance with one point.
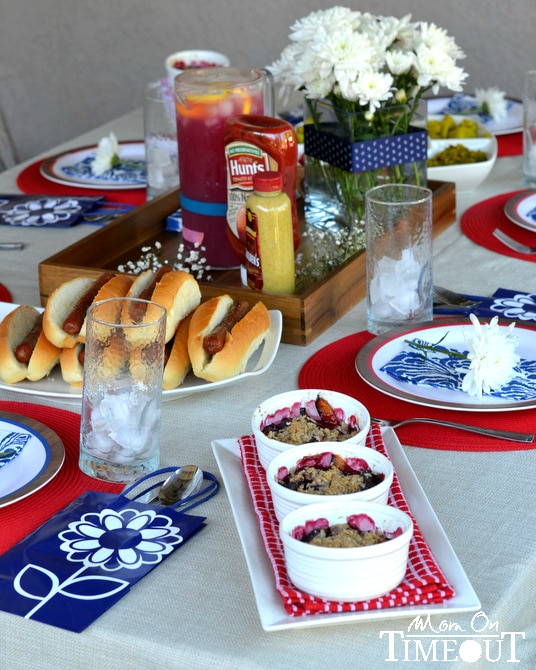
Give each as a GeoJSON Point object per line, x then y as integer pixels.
{"type": "Point", "coordinates": [513, 244]}
{"type": "Point", "coordinates": [490, 432]}
{"type": "Point", "coordinates": [447, 298]}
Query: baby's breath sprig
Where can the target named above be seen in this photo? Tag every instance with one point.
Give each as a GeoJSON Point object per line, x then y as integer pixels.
{"type": "Point", "coordinates": [321, 252]}
{"type": "Point", "coordinates": [189, 259]}
{"type": "Point", "coordinates": [324, 250]}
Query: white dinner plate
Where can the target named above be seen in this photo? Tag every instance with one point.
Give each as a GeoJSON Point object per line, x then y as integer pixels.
{"type": "Point", "coordinates": [53, 386]}
{"type": "Point", "coordinates": [521, 209]}
{"type": "Point", "coordinates": [382, 349]}
{"type": "Point", "coordinates": [39, 461]}
{"type": "Point", "coordinates": [73, 168]}
{"type": "Point", "coordinates": [272, 613]}
{"type": "Point", "coordinates": [513, 122]}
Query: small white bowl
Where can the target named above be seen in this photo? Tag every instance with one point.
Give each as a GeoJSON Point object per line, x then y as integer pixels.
{"type": "Point", "coordinates": [347, 574]}
{"type": "Point", "coordinates": [466, 176]}
{"type": "Point", "coordinates": [193, 58]}
{"type": "Point", "coordinates": [285, 500]}
{"type": "Point", "coordinates": [268, 448]}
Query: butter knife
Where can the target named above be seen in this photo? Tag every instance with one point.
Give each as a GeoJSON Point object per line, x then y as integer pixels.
{"type": "Point", "coordinates": [11, 245]}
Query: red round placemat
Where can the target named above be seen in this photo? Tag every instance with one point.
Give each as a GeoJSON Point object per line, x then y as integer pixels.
{"type": "Point", "coordinates": [5, 295]}
{"type": "Point", "coordinates": [333, 368]}
{"type": "Point", "coordinates": [24, 516]}
{"type": "Point", "coordinates": [31, 181]}
{"type": "Point", "coordinates": [479, 221]}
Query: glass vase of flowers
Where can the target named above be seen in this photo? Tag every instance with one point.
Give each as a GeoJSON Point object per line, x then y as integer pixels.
{"type": "Point", "coordinates": [346, 154]}
{"type": "Point", "coordinates": [363, 78]}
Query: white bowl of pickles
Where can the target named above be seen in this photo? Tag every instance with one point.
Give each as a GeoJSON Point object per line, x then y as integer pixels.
{"type": "Point", "coordinates": [460, 150]}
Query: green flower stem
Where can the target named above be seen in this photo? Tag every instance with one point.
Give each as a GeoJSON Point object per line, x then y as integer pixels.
{"type": "Point", "coordinates": [435, 348]}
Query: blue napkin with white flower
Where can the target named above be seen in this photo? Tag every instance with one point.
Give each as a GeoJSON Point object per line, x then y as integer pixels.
{"type": "Point", "coordinates": [85, 558]}
{"type": "Point", "coordinates": [504, 303]}
{"type": "Point", "coordinates": [55, 211]}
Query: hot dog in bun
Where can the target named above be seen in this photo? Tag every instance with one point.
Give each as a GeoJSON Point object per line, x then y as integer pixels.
{"type": "Point", "coordinates": [25, 352]}
{"type": "Point", "coordinates": [176, 290]}
{"type": "Point", "coordinates": [72, 364]}
{"type": "Point", "coordinates": [64, 320]}
{"type": "Point", "coordinates": [176, 358]}
{"type": "Point", "coordinates": [223, 335]}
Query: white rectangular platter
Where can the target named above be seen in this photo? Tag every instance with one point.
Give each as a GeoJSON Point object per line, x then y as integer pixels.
{"type": "Point", "coordinates": [272, 613]}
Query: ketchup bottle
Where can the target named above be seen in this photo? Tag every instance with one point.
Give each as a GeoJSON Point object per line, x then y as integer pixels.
{"type": "Point", "coordinates": [253, 144]}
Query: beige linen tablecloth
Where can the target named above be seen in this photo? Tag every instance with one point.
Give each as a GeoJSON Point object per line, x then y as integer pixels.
{"type": "Point", "coordinates": [198, 610]}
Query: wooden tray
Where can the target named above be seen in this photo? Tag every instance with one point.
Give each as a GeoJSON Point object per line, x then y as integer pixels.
{"type": "Point", "coordinates": [305, 315]}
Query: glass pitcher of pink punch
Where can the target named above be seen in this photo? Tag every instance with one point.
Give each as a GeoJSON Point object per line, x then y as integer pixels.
{"type": "Point", "coordinates": [205, 98]}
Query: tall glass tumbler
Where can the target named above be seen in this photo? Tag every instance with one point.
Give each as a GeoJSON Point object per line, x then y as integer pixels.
{"type": "Point", "coordinates": [122, 392]}
{"type": "Point", "coordinates": [205, 99]}
{"type": "Point", "coordinates": [161, 147]}
{"type": "Point", "coordinates": [529, 129]}
{"type": "Point", "coordinates": [398, 256]}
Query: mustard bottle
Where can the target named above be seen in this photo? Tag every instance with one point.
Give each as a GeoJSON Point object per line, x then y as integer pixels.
{"type": "Point", "coordinates": [269, 236]}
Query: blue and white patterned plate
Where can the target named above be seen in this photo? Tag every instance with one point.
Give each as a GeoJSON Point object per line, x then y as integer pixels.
{"type": "Point", "coordinates": [73, 168]}
{"type": "Point", "coordinates": [521, 209]}
{"type": "Point", "coordinates": [466, 104]}
{"type": "Point", "coordinates": [376, 357]}
{"type": "Point", "coordinates": [38, 460]}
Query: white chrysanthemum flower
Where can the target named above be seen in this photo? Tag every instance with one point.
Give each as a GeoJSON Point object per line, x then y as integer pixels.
{"type": "Point", "coordinates": [107, 155]}
{"type": "Point", "coordinates": [399, 62]}
{"type": "Point", "coordinates": [338, 44]}
{"type": "Point", "coordinates": [342, 53]}
{"type": "Point", "coordinates": [387, 31]}
{"type": "Point", "coordinates": [307, 29]}
{"type": "Point", "coordinates": [407, 34]}
{"type": "Point", "coordinates": [373, 88]}
{"type": "Point", "coordinates": [436, 38]}
{"type": "Point", "coordinates": [493, 102]}
{"type": "Point", "coordinates": [319, 88]}
{"type": "Point", "coordinates": [492, 352]}
{"type": "Point", "coordinates": [436, 68]}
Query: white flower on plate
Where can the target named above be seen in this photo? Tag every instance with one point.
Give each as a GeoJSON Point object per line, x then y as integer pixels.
{"type": "Point", "coordinates": [492, 101]}
{"type": "Point", "coordinates": [107, 155]}
{"type": "Point", "coordinates": [492, 352]}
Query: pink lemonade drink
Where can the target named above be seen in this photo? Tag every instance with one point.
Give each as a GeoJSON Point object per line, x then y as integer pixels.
{"type": "Point", "coordinates": [205, 99]}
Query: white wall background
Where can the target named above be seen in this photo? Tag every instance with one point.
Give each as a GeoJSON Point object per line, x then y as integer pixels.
{"type": "Point", "coordinates": [69, 65]}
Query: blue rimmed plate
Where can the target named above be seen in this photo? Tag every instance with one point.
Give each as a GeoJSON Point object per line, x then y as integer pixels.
{"type": "Point", "coordinates": [521, 209]}
{"type": "Point", "coordinates": [37, 463]}
{"type": "Point", "coordinates": [372, 359]}
{"type": "Point", "coordinates": [466, 104]}
{"type": "Point", "coordinates": [73, 168]}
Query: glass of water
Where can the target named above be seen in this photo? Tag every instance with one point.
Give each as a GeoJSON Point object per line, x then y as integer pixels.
{"type": "Point", "coordinates": [122, 392]}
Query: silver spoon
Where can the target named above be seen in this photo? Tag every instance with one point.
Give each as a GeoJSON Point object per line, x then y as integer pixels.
{"type": "Point", "coordinates": [180, 484]}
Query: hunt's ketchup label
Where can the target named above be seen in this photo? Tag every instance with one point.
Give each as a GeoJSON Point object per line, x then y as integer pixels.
{"type": "Point", "coordinates": [256, 143]}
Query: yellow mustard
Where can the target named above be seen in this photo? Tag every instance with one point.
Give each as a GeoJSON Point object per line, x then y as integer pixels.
{"type": "Point", "coordinates": [269, 236]}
